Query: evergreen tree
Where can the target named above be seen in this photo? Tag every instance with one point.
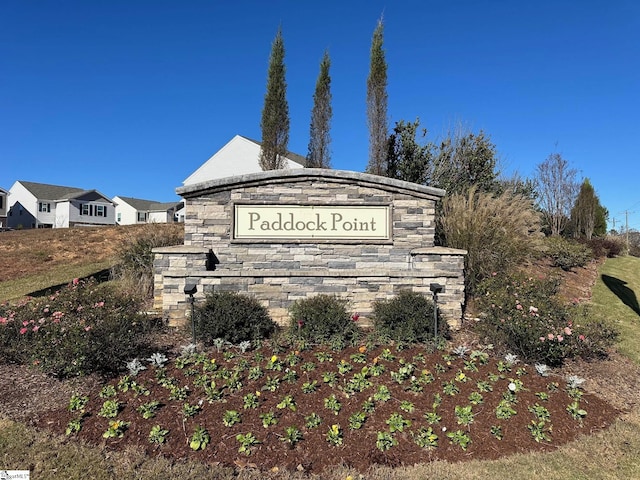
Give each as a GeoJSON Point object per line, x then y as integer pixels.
{"type": "Point", "coordinates": [377, 104]}
{"type": "Point", "coordinates": [587, 213]}
{"type": "Point", "coordinates": [464, 159]}
{"type": "Point", "coordinates": [275, 113]}
{"type": "Point", "coordinates": [319, 155]}
{"type": "Point", "coordinates": [602, 216]}
{"type": "Point", "coordinates": [407, 159]}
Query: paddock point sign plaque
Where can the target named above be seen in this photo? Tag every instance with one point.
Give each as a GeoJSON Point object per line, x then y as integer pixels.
{"type": "Point", "coordinates": [298, 222]}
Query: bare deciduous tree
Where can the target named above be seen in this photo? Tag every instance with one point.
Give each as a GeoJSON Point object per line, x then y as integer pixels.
{"type": "Point", "coordinates": [557, 189]}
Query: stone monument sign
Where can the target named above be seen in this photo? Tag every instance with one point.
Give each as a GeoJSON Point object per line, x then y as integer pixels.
{"type": "Point", "coordinates": [283, 235]}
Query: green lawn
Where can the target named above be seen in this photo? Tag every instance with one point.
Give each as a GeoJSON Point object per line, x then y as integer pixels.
{"type": "Point", "coordinates": [616, 295]}
{"type": "Point", "coordinates": [15, 289]}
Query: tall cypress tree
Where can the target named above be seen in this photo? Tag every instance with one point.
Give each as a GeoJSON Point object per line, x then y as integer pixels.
{"type": "Point", "coordinates": [586, 212]}
{"type": "Point", "coordinates": [377, 104]}
{"type": "Point", "coordinates": [319, 155]}
{"type": "Point", "coordinates": [275, 113]}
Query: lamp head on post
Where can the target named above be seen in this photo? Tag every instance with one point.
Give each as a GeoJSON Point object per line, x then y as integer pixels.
{"type": "Point", "coordinates": [436, 288]}
{"type": "Point", "coordinates": [190, 289]}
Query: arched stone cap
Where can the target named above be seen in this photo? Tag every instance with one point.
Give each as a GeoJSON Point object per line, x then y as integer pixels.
{"type": "Point", "coordinates": [272, 177]}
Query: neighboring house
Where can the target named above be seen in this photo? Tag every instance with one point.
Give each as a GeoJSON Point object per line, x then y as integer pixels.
{"type": "Point", "coordinates": [3, 207]}
{"type": "Point", "coordinates": [130, 211]}
{"type": "Point", "coordinates": [238, 157]}
{"type": "Point", "coordinates": [38, 205]}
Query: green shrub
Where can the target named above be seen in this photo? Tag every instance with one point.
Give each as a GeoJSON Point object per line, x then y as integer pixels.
{"type": "Point", "coordinates": [521, 315]}
{"type": "Point", "coordinates": [11, 342]}
{"type": "Point", "coordinates": [497, 232]}
{"type": "Point", "coordinates": [83, 328]}
{"type": "Point", "coordinates": [233, 317]}
{"type": "Point", "coordinates": [134, 266]}
{"type": "Point", "coordinates": [567, 254]}
{"type": "Point", "coordinates": [322, 319]}
{"type": "Point", "coordinates": [408, 317]}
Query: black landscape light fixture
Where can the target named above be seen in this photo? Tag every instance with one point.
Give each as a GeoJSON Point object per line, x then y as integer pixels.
{"type": "Point", "coordinates": [190, 289]}
{"type": "Point", "coordinates": [435, 288]}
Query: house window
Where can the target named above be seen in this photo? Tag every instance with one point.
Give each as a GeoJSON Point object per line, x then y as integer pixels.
{"type": "Point", "coordinates": [142, 216]}
{"type": "Point", "coordinates": [84, 210]}
{"type": "Point", "coordinates": [1, 200]}
{"type": "Point", "coordinates": [101, 210]}
{"type": "Point", "coordinates": [119, 217]}
{"type": "Point", "coordinates": [44, 207]}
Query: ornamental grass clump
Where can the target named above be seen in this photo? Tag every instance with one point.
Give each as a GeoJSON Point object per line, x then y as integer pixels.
{"type": "Point", "coordinates": [84, 327]}
{"type": "Point", "coordinates": [498, 232]}
{"type": "Point", "coordinates": [135, 255]}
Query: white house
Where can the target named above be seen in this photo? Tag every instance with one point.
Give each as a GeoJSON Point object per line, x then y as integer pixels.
{"type": "Point", "coordinates": [239, 156]}
{"type": "Point", "coordinates": [38, 205]}
{"type": "Point", "coordinates": [130, 211]}
{"type": "Point", "coordinates": [3, 207]}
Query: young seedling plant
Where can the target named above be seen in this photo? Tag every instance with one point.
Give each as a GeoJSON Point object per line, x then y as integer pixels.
{"type": "Point", "coordinates": [247, 442]}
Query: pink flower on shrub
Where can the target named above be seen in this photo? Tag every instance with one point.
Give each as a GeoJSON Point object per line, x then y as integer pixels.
{"type": "Point", "coordinates": [23, 330]}
{"type": "Point", "coordinates": [98, 304]}
{"type": "Point", "coordinates": [46, 310]}
{"type": "Point", "coordinates": [560, 338]}
{"type": "Point", "coordinates": [581, 337]}
{"type": "Point", "coordinates": [86, 329]}
{"type": "Point", "coordinates": [300, 323]}
{"type": "Point", "coordinates": [355, 317]}
{"type": "Point", "coordinates": [76, 281]}
{"type": "Point", "coordinates": [25, 323]}
{"type": "Point", "coordinates": [519, 307]}
{"type": "Point", "coordinates": [3, 320]}
{"type": "Point", "coordinates": [550, 336]}
{"type": "Point", "coordinates": [36, 328]}
{"type": "Point", "coordinates": [542, 339]}
{"type": "Point", "coordinates": [567, 331]}
{"type": "Point", "coordinates": [533, 309]}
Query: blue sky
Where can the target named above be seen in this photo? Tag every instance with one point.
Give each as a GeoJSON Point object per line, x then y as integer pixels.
{"type": "Point", "coordinates": [130, 97]}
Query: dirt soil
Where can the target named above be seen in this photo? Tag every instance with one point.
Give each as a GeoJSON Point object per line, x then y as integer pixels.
{"type": "Point", "coordinates": [31, 397]}
{"type": "Point", "coordinates": [358, 450]}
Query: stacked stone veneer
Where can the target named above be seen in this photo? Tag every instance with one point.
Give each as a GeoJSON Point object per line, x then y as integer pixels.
{"type": "Point", "coordinates": [278, 272]}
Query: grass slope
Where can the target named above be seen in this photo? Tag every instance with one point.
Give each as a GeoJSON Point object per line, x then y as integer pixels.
{"type": "Point", "coordinates": [616, 295]}
{"type": "Point", "coordinates": [16, 289]}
